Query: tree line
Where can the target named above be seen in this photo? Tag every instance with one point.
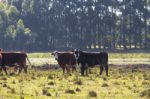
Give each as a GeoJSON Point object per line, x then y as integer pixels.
{"type": "Point", "coordinates": [44, 25]}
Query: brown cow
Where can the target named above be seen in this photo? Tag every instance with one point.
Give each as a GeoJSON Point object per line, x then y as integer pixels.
{"type": "Point", "coordinates": [65, 60]}
{"type": "Point", "coordinates": [13, 59]}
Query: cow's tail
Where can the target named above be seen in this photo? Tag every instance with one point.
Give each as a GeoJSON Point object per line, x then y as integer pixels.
{"type": "Point", "coordinates": [29, 61]}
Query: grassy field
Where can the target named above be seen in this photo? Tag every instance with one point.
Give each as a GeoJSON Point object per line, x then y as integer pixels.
{"type": "Point", "coordinates": [45, 81]}
{"type": "Point", "coordinates": [38, 83]}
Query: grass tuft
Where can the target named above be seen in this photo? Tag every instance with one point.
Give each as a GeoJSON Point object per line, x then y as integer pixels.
{"type": "Point", "coordinates": [13, 91]}
{"type": "Point", "coordinates": [50, 77]}
{"type": "Point", "coordinates": [44, 91]}
{"type": "Point", "coordinates": [104, 78]}
{"type": "Point", "coordinates": [48, 94]}
{"type": "Point", "coordinates": [105, 85]}
{"type": "Point", "coordinates": [145, 93]}
{"type": "Point", "coordinates": [77, 89]}
{"type": "Point", "coordinates": [51, 83]}
{"type": "Point", "coordinates": [70, 91]}
{"type": "Point", "coordinates": [3, 78]}
{"type": "Point", "coordinates": [4, 85]}
{"type": "Point", "coordinates": [78, 82]}
{"type": "Point", "coordinates": [92, 94]}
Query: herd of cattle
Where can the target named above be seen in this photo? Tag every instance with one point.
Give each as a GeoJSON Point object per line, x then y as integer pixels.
{"type": "Point", "coordinates": [66, 60]}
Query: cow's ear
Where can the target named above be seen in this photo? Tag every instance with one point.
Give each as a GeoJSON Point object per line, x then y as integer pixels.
{"type": "Point", "coordinates": [52, 53]}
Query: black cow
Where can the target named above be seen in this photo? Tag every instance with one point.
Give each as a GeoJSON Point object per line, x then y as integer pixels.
{"type": "Point", "coordinates": [90, 59]}
{"type": "Point", "coordinates": [66, 60]}
{"type": "Point", "coordinates": [14, 59]}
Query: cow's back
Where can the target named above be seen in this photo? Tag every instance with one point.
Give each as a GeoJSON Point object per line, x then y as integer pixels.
{"type": "Point", "coordinates": [90, 59]}
{"type": "Point", "coordinates": [104, 57]}
{"type": "Point", "coordinates": [67, 58]}
{"type": "Point", "coordinates": [12, 58]}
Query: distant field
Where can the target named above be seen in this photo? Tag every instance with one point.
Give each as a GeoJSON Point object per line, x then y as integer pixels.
{"type": "Point", "coordinates": [39, 55]}
{"type": "Point", "coordinates": [42, 61]}
{"type": "Point", "coordinates": [111, 55]}
{"type": "Point", "coordinates": [129, 55]}
{"type": "Point", "coordinates": [114, 58]}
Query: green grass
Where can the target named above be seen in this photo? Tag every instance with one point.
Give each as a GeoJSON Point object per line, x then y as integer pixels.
{"type": "Point", "coordinates": [44, 84]}
{"type": "Point", "coordinates": [51, 84]}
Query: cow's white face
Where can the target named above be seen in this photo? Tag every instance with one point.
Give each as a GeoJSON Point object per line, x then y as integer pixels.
{"type": "Point", "coordinates": [56, 56]}
{"type": "Point", "coordinates": [76, 54]}
{"type": "Point", "coordinates": [55, 53]}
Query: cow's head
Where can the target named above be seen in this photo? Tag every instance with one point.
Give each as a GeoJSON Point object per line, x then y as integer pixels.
{"type": "Point", "coordinates": [55, 54]}
{"type": "Point", "coordinates": [77, 53]}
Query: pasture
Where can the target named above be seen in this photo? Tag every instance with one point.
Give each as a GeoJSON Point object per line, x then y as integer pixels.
{"type": "Point", "coordinates": [45, 80]}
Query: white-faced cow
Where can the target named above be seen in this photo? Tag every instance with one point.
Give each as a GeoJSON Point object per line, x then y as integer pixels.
{"type": "Point", "coordinates": [90, 59]}
{"type": "Point", "coordinates": [13, 59]}
{"type": "Point", "coordinates": [66, 60]}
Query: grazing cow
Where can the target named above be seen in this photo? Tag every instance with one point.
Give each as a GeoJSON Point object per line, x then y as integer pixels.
{"type": "Point", "coordinates": [13, 59]}
{"type": "Point", "coordinates": [89, 59]}
{"type": "Point", "coordinates": [65, 60]}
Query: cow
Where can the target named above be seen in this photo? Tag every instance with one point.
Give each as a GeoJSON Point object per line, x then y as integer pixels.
{"type": "Point", "coordinates": [14, 59]}
{"type": "Point", "coordinates": [65, 60]}
{"type": "Point", "coordinates": [90, 59]}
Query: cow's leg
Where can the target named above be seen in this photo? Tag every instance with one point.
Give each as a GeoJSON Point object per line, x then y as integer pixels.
{"type": "Point", "coordinates": [82, 69]}
{"type": "Point", "coordinates": [86, 69]}
{"type": "Point", "coordinates": [0, 69]}
{"type": "Point", "coordinates": [63, 69]}
{"type": "Point", "coordinates": [68, 69]}
{"type": "Point", "coordinates": [74, 68]}
{"type": "Point", "coordinates": [16, 68]}
{"type": "Point", "coordinates": [24, 66]}
{"type": "Point", "coordinates": [90, 70]}
{"type": "Point", "coordinates": [106, 69]}
{"type": "Point", "coordinates": [21, 65]}
{"type": "Point", "coordinates": [4, 68]}
{"type": "Point", "coordinates": [101, 69]}
{"type": "Point", "coordinates": [25, 69]}
{"type": "Point", "coordinates": [20, 69]}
